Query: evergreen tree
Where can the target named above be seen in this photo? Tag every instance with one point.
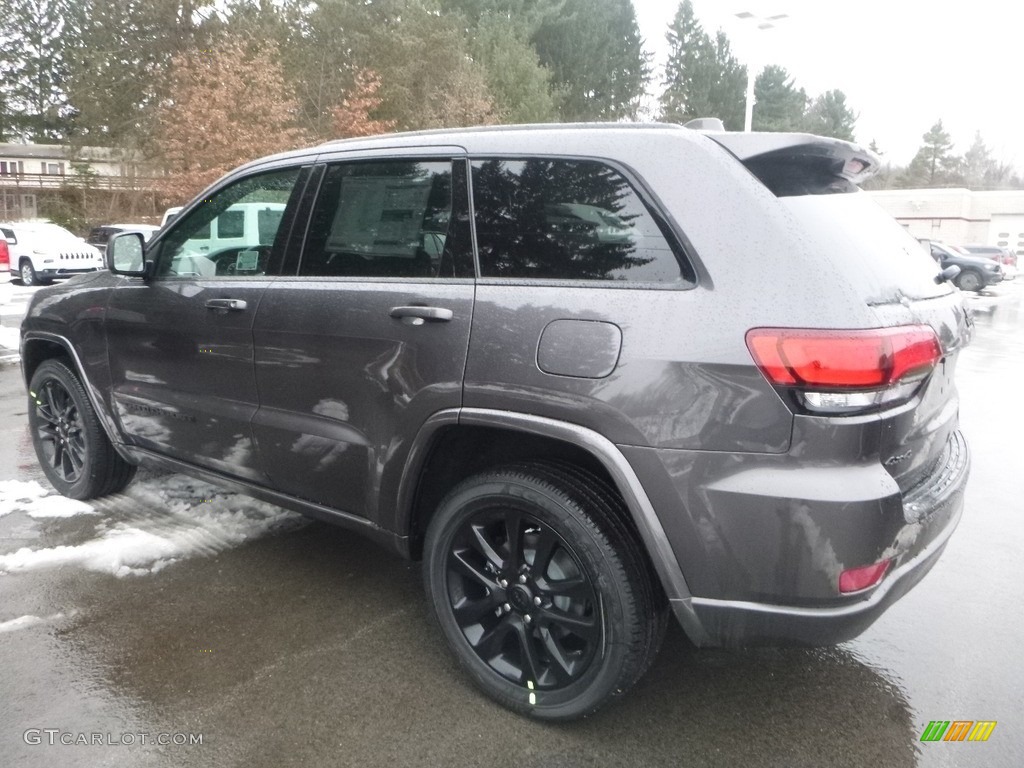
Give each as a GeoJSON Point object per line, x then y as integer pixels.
{"type": "Point", "coordinates": [35, 40]}
{"type": "Point", "coordinates": [702, 77]}
{"type": "Point", "coordinates": [729, 97]}
{"type": "Point", "coordinates": [690, 73]}
{"type": "Point", "coordinates": [977, 164]}
{"type": "Point", "coordinates": [428, 78]}
{"type": "Point", "coordinates": [596, 59]}
{"type": "Point", "coordinates": [519, 85]}
{"type": "Point", "coordinates": [778, 104]}
{"type": "Point", "coordinates": [122, 58]}
{"type": "Point", "coordinates": [934, 161]}
{"type": "Point", "coordinates": [830, 116]}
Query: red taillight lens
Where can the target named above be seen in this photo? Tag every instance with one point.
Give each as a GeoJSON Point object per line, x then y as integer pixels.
{"type": "Point", "coordinates": [856, 579]}
{"type": "Point", "coordinates": [5, 255]}
{"type": "Point", "coordinates": [844, 360]}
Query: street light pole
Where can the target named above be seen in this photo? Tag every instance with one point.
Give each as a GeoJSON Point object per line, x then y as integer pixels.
{"type": "Point", "coordinates": [762, 24]}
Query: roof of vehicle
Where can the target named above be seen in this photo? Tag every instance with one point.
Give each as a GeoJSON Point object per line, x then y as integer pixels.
{"type": "Point", "coordinates": [762, 153]}
{"type": "Point", "coordinates": [845, 158]}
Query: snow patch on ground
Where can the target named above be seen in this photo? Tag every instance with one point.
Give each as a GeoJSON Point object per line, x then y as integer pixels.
{"type": "Point", "coordinates": [10, 338]}
{"type": "Point", "coordinates": [24, 622]}
{"type": "Point", "coordinates": [37, 501]}
{"type": "Point", "coordinates": [171, 518]}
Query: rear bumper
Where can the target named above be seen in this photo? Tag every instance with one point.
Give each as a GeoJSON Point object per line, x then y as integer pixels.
{"type": "Point", "coordinates": [773, 541]}
{"type": "Point", "coordinates": [729, 622]}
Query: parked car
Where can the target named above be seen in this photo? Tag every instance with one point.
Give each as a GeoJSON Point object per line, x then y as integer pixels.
{"type": "Point", "coordinates": [169, 215]}
{"type": "Point", "coordinates": [99, 236]}
{"type": "Point", "coordinates": [43, 251]}
{"type": "Point", "coordinates": [670, 370]}
{"type": "Point", "coordinates": [1004, 256]}
{"type": "Point", "coordinates": [976, 272]}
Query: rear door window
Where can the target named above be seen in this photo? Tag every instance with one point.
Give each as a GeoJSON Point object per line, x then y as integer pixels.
{"type": "Point", "coordinates": [555, 219]}
{"type": "Point", "coordinates": [393, 218]}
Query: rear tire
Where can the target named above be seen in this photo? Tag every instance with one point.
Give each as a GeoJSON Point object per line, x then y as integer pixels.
{"type": "Point", "coordinates": [541, 589]}
{"type": "Point", "coordinates": [73, 450]}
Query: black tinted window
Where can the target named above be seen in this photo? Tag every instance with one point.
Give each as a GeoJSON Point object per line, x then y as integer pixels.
{"type": "Point", "coordinates": [267, 222]}
{"type": "Point", "coordinates": [566, 220]}
{"type": "Point", "coordinates": [231, 224]}
{"type": "Point", "coordinates": [389, 219]}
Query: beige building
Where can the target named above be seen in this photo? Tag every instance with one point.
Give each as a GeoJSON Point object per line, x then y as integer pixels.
{"type": "Point", "coordinates": [26, 170]}
{"type": "Point", "coordinates": [959, 216]}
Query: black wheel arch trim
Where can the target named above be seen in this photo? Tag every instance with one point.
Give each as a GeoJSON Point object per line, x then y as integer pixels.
{"type": "Point", "coordinates": [95, 400]}
{"type": "Point", "coordinates": [655, 540]}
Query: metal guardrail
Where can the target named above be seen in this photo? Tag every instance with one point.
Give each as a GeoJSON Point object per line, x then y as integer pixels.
{"type": "Point", "coordinates": [27, 182]}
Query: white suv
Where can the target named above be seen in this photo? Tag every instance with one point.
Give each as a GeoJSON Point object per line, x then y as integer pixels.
{"type": "Point", "coordinates": [41, 251]}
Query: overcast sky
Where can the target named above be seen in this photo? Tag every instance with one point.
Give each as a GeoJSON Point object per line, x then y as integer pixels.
{"type": "Point", "coordinates": [902, 64]}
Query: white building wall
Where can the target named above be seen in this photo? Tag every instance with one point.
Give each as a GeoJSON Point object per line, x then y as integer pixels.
{"type": "Point", "coordinates": [958, 216]}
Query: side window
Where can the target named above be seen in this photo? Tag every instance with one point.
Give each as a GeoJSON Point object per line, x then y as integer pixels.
{"type": "Point", "coordinates": [549, 219]}
{"type": "Point", "coordinates": [235, 232]}
{"type": "Point", "coordinates": [394, 218]}
{"type": "Point", "coordinates": [231, 223]}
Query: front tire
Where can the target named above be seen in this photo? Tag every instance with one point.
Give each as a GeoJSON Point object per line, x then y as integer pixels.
{"type": "Point", "coordinates": [969, 281]}
{"type": "Point", "coordinates": [28, 273]}
{"type": "Point", "coordinates": [72, 448]}
{"type": "Point", "coordinates": [541, 590]}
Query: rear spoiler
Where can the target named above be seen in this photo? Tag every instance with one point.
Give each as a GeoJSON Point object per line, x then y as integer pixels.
{"type": "Point", "coordinates": [800, 163]}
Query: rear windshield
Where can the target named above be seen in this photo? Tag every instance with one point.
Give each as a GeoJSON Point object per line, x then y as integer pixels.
{"type": "Point", "coordinates": [874, 252]}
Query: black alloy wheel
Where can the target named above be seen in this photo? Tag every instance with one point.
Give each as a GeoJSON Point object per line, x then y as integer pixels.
{"type": "Point", "coordinates": [524, 603]}
{"type": "Point", "coordinates": [59, 431]}
{"type": "Point", "coordinates": [541, 588]}
{"type": "Point", "coordinates": [73, 450]}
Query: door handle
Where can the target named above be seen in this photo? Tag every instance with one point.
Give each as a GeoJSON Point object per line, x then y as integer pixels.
{"type": "Point", "coordinates": [419, 315]}
{"type": "Point", "coordinates": [236, 305]}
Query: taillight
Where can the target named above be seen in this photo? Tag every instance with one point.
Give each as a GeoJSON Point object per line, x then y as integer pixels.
{"type": "Point", "coordinates": [5, 255]}
{"type": "Point", "coordinates": [856, 579]}
{"type": "Point", "coordinates": [844, 371]}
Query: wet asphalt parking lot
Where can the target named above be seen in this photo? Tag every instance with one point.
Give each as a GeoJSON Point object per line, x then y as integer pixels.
{"type": "Point", "coordinates": [175, 611]}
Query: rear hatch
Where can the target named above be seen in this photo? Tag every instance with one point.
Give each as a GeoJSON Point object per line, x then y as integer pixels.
{"type": "Point", "coordinates": [816, 179]}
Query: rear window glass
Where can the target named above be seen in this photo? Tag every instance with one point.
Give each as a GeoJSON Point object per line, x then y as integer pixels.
{"type": "Point", "coordinates": [549, 219]}
{"type": "Point", "coordinates": [854, 234]}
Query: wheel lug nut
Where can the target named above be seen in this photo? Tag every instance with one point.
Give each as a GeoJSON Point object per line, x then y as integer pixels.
{"type": "Point", "coordinates": [506, 607]}
{"type": "Point", "coordinates": [502, 583]}
{"type": "Point", "coordinates": [536, 601]}
{"type": "Point", "coordinates": [527, 618]}
{"type": "Point", "coordinates": [522, 579]}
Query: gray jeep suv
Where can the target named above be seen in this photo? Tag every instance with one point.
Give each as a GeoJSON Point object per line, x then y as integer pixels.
{"type": "Point", "coordinates": [588, 374]}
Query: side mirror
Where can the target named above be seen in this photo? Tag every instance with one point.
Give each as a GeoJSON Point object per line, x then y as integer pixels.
{"type": "Point", "coordinates": [949, 273]}
{"type": "Point", "coordinates": [125, 255]}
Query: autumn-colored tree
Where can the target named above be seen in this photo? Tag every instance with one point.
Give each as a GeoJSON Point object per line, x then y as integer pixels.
{"type": "Point", "coordinates": [463, 102]}
{"type": "Point", "coordinates": [226, 105]}
{"type": "Point", "coordinates": [352, 117]}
